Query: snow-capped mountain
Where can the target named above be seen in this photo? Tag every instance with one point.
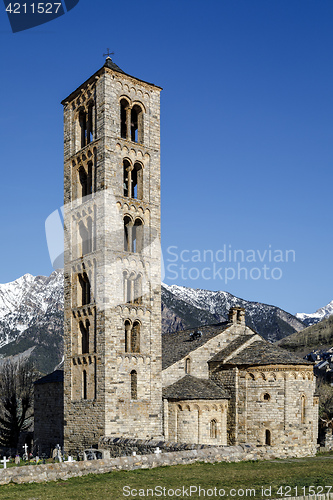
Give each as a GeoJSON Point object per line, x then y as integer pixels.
{"type": "Point", "coordinates": [320, 314]}
{"type": "Point", "coordinates": [269, 321]}
{"type": "Point", "coordinates": [31, 316]}
{"type": "Point", "coordinates": [27, 300]}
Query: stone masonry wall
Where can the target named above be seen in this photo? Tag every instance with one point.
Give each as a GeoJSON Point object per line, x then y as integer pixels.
{"type": "Point", "coordinates": [200, 356]}
{"type": "Point", "coordinates": [266, 404]}
{"type": "Point", "coordinates": [63, 471]}
{"type": "Point", "coordinates": [229, 380]}
{"type": "Point", "coordinates": [48, 416]}
{"type": "Point", "coordinates": [191, 421]}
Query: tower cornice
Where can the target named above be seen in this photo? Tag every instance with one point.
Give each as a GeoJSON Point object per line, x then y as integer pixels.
{"type": "Point", "coordinates": [110, 70]}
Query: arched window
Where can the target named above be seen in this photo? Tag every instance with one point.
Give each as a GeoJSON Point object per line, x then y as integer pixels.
{"type": "Point", "coordinates": [127, 169]}
{"type": "Point", "coordinates": [133, 180]}
{"type": "Point", "coordinates": [138, 289]}
{"type": "Point", "coordinates": [137, 182]}
{"type": "Point", "coordinates": [132, 336]}
{"type": "Point", "coordinates": [213, 429]}
{"type": "Point", "coordinates": [131, 121]}
{"type": "Point", "coordinates": [268, 437]}
{"type": "Point", "coordinates": [82, 122]}
{"type": "Point", "coordinates": [128, 328]}
{"type": "Point", "coordinates": [134, 385]}
{"type": "Point", "coordinates": [84, 384]}
{"type": "Point", "coordinates": [266, 396]}
{"type": "Point", "coordinates": [89, 179]}
{"type": "Point", "coordinates": [124, 118]}
{"type": "Point", "coordinates": [90, 123]}
{"type": "Point", "coordinates": [137, 236]}
{"type": "Point", "coordinates": [132, 288]}
{"type": "Point", "coordinates": [302, 409]}
{"type": "Point", "coordinates": [83, 182]}
{"type": "Point", "coordinates": [85, 289]}
{"type": "Point", "coordinates": [84, 238]}
{"type": "Point", "coordinates": [187, 366]}
{"type": "Point", "coordinates": [135, 337]}
{"type": "Point", "coordinates": [127, 287]}
{"type": "Point", "coordinates": [127, 233]}
{"type": "Point", "coordinates": [90, 234]}
{"type": "Point", "coordinates": [95, 170]}
{"type": "Point", "coordinates": [84, 330]}
{"type": "Point", "coordinates": [136, 124]}
{"type": "Point", "coordinates": [86, 178]}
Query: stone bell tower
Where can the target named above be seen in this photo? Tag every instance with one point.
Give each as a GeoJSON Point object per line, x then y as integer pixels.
{"type": "Point", "coordinates": [112, 366]}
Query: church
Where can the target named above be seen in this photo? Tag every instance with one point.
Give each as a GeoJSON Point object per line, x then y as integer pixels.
{"type": "Point", "coordinates": [220, 384]}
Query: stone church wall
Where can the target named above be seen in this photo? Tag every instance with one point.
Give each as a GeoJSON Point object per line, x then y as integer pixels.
{"type": "Point", "coordinates": [229, 380]}
{"type": "Point", "coordinates": [48, 416]}
{"type": "Point", "coordinates": [199, 357]}
{"type": "Point", "coordinates": [279, 407]}
{"type": "Point", "coordinates": [197, 421]}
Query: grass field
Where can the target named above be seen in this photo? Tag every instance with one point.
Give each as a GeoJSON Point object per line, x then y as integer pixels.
{"type": "Point", "coordinates": [233, 478]}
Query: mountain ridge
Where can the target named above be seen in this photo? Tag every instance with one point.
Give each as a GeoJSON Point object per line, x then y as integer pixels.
{"type": "Point", "coordinates": [31, 316]}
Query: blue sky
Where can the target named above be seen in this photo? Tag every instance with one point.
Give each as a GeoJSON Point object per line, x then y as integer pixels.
{"type": "Point", "coordinates": [246, 136]}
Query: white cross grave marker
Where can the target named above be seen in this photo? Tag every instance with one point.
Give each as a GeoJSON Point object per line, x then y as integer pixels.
{"type": "Point", "coordinates": [4, 461]}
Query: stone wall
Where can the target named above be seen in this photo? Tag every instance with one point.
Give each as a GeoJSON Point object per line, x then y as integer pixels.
{"type": "Point", "coordinates": [119, 447]}
{"type": "Point", "coordinates": [229, 380]}
{"type": "Point", "coordinates": [191, 421]}
{"type": "Point", "coordinates": [271, 404]}
{"type": "Point", "coordinates": [48, 414]}
{"type": "Point", "coordinates": [63, 471]}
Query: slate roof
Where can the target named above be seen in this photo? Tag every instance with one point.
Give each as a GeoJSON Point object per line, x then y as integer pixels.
{"type": "Point", "coordinates": [108, 64]}
{"type": "Point", "coordinates": [57, 376]}
{"type": "Point", "coordinates": [261, 352]}
{"type": "Point", "coordinates": [190, 387]}
{"type": "Point", "coordinates": [177, 345]}
{"type": "Point", "coordinates": [111, 65]}
{"type": "Point", "coordinates": [231, 347]}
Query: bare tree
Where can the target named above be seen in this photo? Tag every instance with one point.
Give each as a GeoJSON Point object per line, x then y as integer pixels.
{"type": "Point", "coordinates": [16, 399]}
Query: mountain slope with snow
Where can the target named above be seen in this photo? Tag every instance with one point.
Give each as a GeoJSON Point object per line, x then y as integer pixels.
{"type": "Point", "coordinates": [319, 315]}
{"type": "Point", "coordinates": [26, 301]}
{"type": "Point", "coordinates": [269, 321]}
{"type": "Point", "coordinates": [31, 316]}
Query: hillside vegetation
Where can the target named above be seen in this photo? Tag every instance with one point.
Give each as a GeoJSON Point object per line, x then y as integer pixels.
{"type": "Point", "coordinates": [318, 336]}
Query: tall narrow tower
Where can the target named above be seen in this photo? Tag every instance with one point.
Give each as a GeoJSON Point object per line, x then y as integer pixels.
{"type": "Point", "coordinates": [112, 368]}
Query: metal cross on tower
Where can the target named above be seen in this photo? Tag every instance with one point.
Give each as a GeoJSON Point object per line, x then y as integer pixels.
{"type": "Point", "coordinates": [108, 54]}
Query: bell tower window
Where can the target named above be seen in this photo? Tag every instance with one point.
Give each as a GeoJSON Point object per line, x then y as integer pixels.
{"type": "Point", "coordinates": [136, 124]}
{"type": "Point", "coordinates": [127, 234]}
{"type": "Point", "coordinates": [90, 124]}
{"type": "Point", "coordinates": [85, 289]}
{"type": "Point", "coordinates": [84, 330]}
{"type": "Point", "coordinates": [128, 328]}
{"type": "Point", "coordinates": [84, 384]}
{"type": "Point", "coordinates": [124, 106]}
{"type": "Point", "coordinates": [133, 180]}
{"type": "Point", "coordinates": [137, 236]}
{"type": "Point", "coordinates": [134, 385]}
{"type": "Point", "coordinates": [135, 337]}
{"type": "Point", "coordinates": [82, 122]}
{"type": "Point", "coordinates": [131, 121]}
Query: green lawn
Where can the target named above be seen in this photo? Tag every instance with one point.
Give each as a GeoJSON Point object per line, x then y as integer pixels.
{"type": "Point", "coordinates": [241, 476]}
